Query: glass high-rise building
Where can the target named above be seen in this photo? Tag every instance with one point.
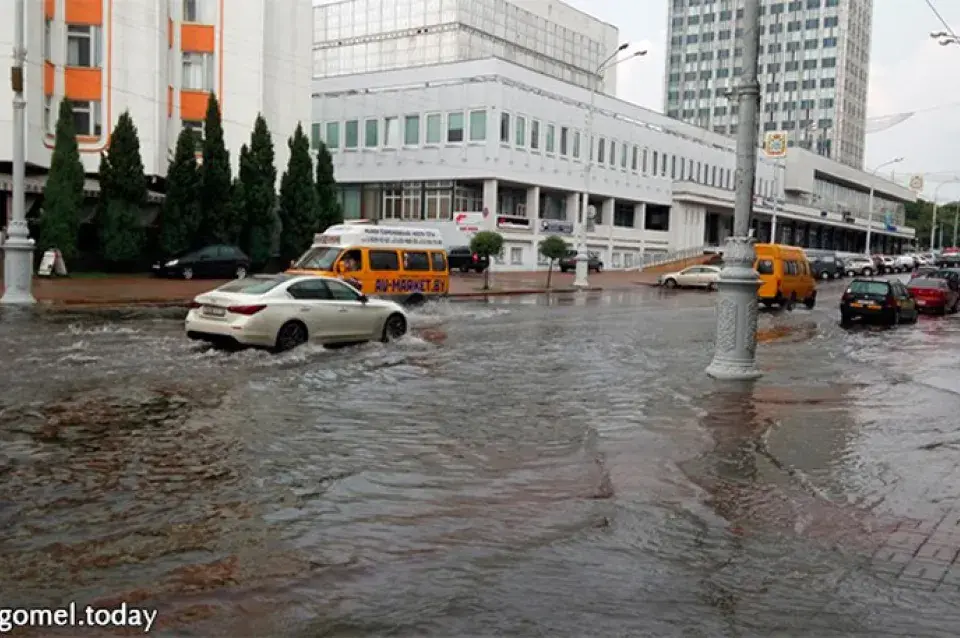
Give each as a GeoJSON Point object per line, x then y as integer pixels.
{"type": "Point", "coordinates": [814, 70]}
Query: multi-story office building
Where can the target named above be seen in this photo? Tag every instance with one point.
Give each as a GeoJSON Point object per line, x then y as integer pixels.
{"type": "Point", "coordinates": [814, 69]}
{"type": "Point", "coordinates": [363, 36]}
{"type": "Point", "coordinates": [159, 60]}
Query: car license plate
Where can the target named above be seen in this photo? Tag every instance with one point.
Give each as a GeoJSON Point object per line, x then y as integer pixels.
{"type": "Point", "coordinates": [856, 304]}
{"type": "Point", "coordinates": [873, 307]}
{"type": "Point", "coordinates": [214, 311]}
{"type": "Point", "coordinates": [921, 302]}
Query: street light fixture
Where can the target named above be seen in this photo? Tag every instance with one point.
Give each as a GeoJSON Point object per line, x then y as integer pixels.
{"type": "Point", "coordinates": [944, 39]}
{"type": "Point", "coordinates": [582, 261]}
{"type": "Point", "coordinates": [895, 160]}
{"type": "Point", "coordinates": [933, 221]}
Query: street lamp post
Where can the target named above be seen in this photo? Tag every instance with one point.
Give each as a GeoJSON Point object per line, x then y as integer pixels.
{"type": "Point", "coordinates": [895, 160]}
{"type": "Point", "coordinates": [18, 247]}
{"type": "Point", "coordinates": [735, 355]}
{"type": "Point", "coordinates": [582, 260]}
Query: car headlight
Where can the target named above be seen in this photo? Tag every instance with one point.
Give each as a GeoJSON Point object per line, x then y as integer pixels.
{"type": "Point", "coordinates": [171, 263]}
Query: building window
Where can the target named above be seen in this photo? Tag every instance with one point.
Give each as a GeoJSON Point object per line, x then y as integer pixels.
{"type": "Point", "coordinates": [391, 132]}
{"type": "Point", "coordinates": [434, 128]}
{"type": "Point", "coordinates": [505, 128]}
{"type": "Point", "coordinates": [47, 39]}
{"type": "Point", "coordinates": [535, 134]}
{"type": "Point", "coordinates": [576, 145]}
{"type": "Point", "coordinates": [315, 135]}
{"type": "Point", "coordinates": [351, 134]}
{"type": "Point", "coordinates": [196, 129]}
{"type": "Point", "coordinates": [197, 11]}
{"type": "Point", "coordinates": [564, 140]}
{"type": "Point", "coordinates": [478, 126]}
{"type": "Point", "coordinates": [371, 133]}
{"type": "Point", "coordinates": [521, 132]}
{"type": "Point", "coordinates": [623, 156]}
{"type": "Point", "coordinates": [635, 160]}
{"type": "Point", "coordinates": [86, 118]}
{"type": "Point", "coordinates": [411, 130]}
{"type": "Point", "coordinates": [411, 200]}
{"type": "Point", "coordinates": [516, 255]}
{"type": "Point", "coordinates": [612, 157]}
{"type": "Point", "coordinates": [47, 113]}
{"type": "Point", "coordinates": [197, 72]}
{"type": "Point", "coordinates": [454, 127]}
{"type": "Point", "coordinates": [439, 203]}
{"type": "Point", "coordinates": [551, 141]}
{"type": "Point", "coordinates": [392, 197]}
{"type": "Point", "coordinates": [332, 138]}
{"type": "Point", "coordinates": [601, 150]}
{"type": "Point", "coordinates": [83, 46]}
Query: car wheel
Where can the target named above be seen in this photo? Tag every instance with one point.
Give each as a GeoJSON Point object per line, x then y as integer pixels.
{"type": "Point", "coordinates": [290, 335]}
{"type": "Point", "coordinates": [599, 268]}
{"type": "Point", "coordinates": [790, 302]}
{"type": "Point", "coordinates": [241, 272]}
{"type": "Point", "coordinates": [712, 286]}
{"type": "Point", "coordinates": [810, 302]}
{"type": "Point", "coordinates": [464, 269]}
{"type": "Point", "coordinates": [564, 269]}
{"type": "Point", "coordinates": [825, 276]}
{"type": "Point", "coordinates": [188, 273]}
{"type": "Point", "coordinates": [479, 269]}
{"type": "Point", "coordinates": [896, 318]}
{"type": "Point", "coordinates": [670, 283]}
{"type": "Point", "coordinates": [415, 301]}
{"type": "Point", "coordinates": [868, 272]}
{"type": "Point", "coordinates": [850, 273]}
{"type": "Point", "coordinates": [394, 327]}
{"type": "Point", "coordinates": [845, 319]}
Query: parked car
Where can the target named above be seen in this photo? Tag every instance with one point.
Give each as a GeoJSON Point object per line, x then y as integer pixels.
{"type": "Point", "coordinates": [887, 302]}
{"type": "Point", "coordinates": [924, 271]}
{"type": "Point", "coordinates": [863, 266]}
{"type": "Point", "coordinates": [692, 277]}
{"type": "Point", "coordinates": [281, 312]}
{"type": "Point", "coordinates": [886, 264]}
{"type": "Point", "coordinates": [934, 295]}
{"type": "Point", "coordinates": [569, 262]}
{"type": "Point", "coordinates": [826, 266]}
{"type": "Point", "coordinates": [949, 258]}
{"type": "Point", "coordinates": [904, 263]}
{"type": "Point", "coordinates": [218, 261]}
{"type": "Point", "coordinates": [951, 275]}
{"type": "Point", "coordinates": [463, 259]}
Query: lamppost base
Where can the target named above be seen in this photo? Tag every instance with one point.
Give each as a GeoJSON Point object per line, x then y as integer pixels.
{"type": "Point", "coordinates": [17, 271]}
{"type": "Point", "coordinates": [580, 279]}
{"type": "Point", "coordinates": [737, 315]}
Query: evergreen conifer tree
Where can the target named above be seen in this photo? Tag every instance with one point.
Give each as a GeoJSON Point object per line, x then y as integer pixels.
{"type": "Point", "coordinates": [180, 219]}
{"type": "Point", "coordinates": [63, 193]}
{"type": "Point", "coordinates": [298, 199]}
{"type": "Point", "coordinates": [329, 210]}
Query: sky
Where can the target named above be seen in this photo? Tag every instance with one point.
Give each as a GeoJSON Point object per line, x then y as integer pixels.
{"type": "Point", "coordinates": [909, 72]}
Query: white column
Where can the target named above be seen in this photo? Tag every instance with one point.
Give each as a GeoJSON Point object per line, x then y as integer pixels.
{"type": "Point", "coordinates": [533, 214]}
{"type": "Point", "coordinates": [605, 215]}
{"type": "Point", "coordinates": [640, 223]}
{"type": "Point", "coordinates": [490, 191]}
{"type": "Point", "coordinates": [572, 209]}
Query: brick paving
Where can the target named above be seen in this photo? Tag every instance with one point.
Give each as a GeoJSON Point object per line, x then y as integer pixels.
{"type": "Point", "coordinates": [922, 554]}
{"type": "Point", "coordinates": [146, 290]}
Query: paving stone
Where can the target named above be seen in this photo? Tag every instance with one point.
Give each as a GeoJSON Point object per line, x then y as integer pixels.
{"type": "Point", "coordinates": [920, 526]}
{"type": "Point", "coordinates": [892, 555]}
{"type": "Point", "coordinates": [887, 568]}
{"type": "Point", "coordinates": [924, 570]}
{"type": "Point", "coordinates": [952, 577]}
{"type": "Point", "coordinates": [906, 541]}
{"type": "Point", "coordinates": [939, 552]}
{"type": "Point", "coordinates": [920, 584]}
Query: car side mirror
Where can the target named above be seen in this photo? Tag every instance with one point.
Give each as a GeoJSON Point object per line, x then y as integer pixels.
{"type": "Point", "coordinates": [363, 299]}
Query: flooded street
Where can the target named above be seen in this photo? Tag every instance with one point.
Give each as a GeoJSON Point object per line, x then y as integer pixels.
{"type": "Point", "coordinates": [519, 468]}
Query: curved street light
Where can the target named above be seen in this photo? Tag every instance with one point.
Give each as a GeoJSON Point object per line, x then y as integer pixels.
{"type": "Point", "coordinates": [580, 281]}
{"type": "Point", "coordinates": [895, 160]}
{"type": "Point", "coordinates": [944, 39]}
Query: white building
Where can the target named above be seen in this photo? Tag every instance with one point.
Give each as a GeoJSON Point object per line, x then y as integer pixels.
{"type": "Point", "coordinates": [159, 60]}
{"type": "Point", "coordinates": [814, 69]}
{"type": "Point", "coordinates": [422, 144]}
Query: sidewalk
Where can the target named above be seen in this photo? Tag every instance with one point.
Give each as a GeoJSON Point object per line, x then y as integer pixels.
{"type": "Point", "coordinates": [143, 290]}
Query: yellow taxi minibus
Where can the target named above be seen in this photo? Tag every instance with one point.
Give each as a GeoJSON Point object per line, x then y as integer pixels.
{"type": "Point", "coordinates": [785, 276]}
{"type": "Point", "coordinates": [403, 263]}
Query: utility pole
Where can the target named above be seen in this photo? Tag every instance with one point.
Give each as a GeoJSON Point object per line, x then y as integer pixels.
{"type": "Point", "coordinates": [735, 357]}
{"type": "Point", "coordinates": [17, 246]}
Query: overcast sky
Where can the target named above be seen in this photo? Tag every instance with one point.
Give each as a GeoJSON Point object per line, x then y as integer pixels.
{"type": "Point", "coordinates": [909, 72]}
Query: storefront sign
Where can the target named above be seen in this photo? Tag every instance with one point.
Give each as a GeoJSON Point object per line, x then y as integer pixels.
{"type": "Point", "coordinates": [510, 221]}
{"type": "Point", "coordinates": [556, 226]}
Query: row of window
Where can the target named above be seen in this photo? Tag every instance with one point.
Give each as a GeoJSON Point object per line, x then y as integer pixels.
{"type": "Point", "coordinates": [772, 49]}
{"type": "Point", "coordinates": [389, 260]}
{"type": "Point", "coordinates": [737, 71]}
{"type": "Point", "coordinates": [809, 24]}
{"type": "Point", "coordinates": [774, 9]}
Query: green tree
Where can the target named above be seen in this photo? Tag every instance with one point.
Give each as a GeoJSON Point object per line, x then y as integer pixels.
{"type": "Point", "coordinates": [181, 208]}
{"type": "Point", "coordinates": [123, 189]}
{"type": "Point", "coordinates": [217, 217]}
{"type": "Point", "coordinates": [553, 248]}
{"type": "Point", "coordinates": [298, 199]}
{"type": "Point", "coordinates": [63, 194]}
{"type": "Point", "coordinates": [486, 243]}
{"type": "Point", "coordinates": [330, 211]}
{"type": "Point", "coordinates": [258, 173]}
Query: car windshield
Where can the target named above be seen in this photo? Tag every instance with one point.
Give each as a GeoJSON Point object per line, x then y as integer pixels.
{"type": "Point", "coordinates": [765, 267]}
{"type": "Point", "coordinates": [254, 285]}
{"type": "Point", "coordinates": [321, 258]}
{"type": "Point", "coordinates": [868, 288]}
{"type": "Point", "coordinates": [928, 283]}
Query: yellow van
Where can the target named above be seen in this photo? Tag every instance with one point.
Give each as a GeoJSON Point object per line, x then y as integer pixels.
{"type": "Point", "coordinates": [785, 275]}
{"type": "Point", "coordinates": [403, 263]}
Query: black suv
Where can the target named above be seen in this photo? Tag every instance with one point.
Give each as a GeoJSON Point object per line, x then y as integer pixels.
{"type": "Point", "coordinates": [218, 261]}
{"type": "Point", "coordinates": [463, 259]}
{"type": "Point", "coordinates": [827, 266]}
{"type": "Point", "coordinates": [887, 302]}
{"type": "Point", "coordinates": [569, 262]}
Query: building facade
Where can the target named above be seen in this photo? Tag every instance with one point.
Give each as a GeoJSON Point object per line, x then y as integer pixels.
{"type": "Point", "coordinates": [159, 60]}
{"type": "Point", "coordinates": [425, 144]}
{"type": "Point", "coordinates": [363, 36]}
{"type": "Point", "coordinates": [814, 70]}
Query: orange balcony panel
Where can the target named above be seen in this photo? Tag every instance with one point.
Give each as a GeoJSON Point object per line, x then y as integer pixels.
{"type": "Point", "coordinates": [82, 84]}
{"type": "Point", "coordinates": [49, 9]}
{"type": "Point", "coordinates": [197, 38]}
{"type": "Point", "coordinates": [169, 101]}
{"type": "Point", "coordinates": [169, 33]}
{"type": "Point", "coordinates": [83, 11]}
{"type": "Point", "coordinates": [193, 105]}
{"type": "Point", "coordinates": [48, 78]}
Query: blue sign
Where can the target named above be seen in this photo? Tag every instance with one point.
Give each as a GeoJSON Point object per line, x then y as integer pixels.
{"type": "Point", "coordinates": [556, 226]}
{"type": "Point", "coordinates": [888, 222]}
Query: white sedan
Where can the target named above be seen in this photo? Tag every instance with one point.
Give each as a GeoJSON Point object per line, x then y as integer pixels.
{"type": "Point", "coordinates": [692, 277]}
{"type": "Point", "coordinates": [281, 312]}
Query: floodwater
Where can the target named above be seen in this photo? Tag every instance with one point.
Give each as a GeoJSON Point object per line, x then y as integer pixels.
{"type": "Point", "coordinates": [517, 468]}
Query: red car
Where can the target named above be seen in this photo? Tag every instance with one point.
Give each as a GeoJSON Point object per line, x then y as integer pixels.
{"type": "Point", "coordinates": [934, 295]}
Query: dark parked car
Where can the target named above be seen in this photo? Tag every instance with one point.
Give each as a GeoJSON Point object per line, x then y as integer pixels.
{"type": "Point", "coordinates": [569, 262]}
{"type": "Point", "coordinates": [952, 275]}
{"type": "Point", "coordinates": [827, 266]}
{"type": "Point", "coordinates": [211, 262]}
{"type": "Point", "coordinates": [463, 259]}
{"type": "Point", "coordinates": [887, 302]}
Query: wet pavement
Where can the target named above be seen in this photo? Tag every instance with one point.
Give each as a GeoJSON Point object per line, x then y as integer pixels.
{"type": "Point", "coordinates": [530, 467]}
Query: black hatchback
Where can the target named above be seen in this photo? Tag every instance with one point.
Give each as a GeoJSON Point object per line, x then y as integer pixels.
{"type": "Point", "coordinates": [887, 302]}
{"type": "Point", "coordinates": [218, 261]}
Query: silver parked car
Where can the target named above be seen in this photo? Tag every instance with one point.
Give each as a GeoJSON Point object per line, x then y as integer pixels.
{"type": "Point", "coordinates": [862, 266]}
